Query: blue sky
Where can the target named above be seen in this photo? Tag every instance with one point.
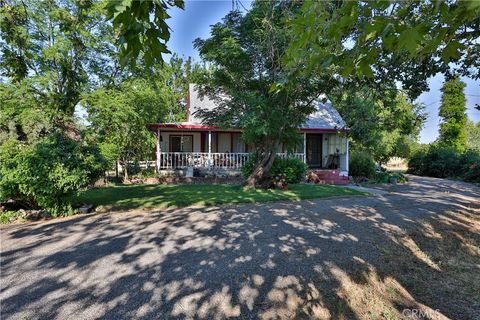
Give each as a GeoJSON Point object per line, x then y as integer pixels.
{"type": "Point", "coordinates": [195, 21]}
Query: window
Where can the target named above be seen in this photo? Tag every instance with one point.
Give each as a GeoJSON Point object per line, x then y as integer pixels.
{"type": "Point", "coordinates": [238, 144]}
{"type": "Point", "coordinates": [181, 143]}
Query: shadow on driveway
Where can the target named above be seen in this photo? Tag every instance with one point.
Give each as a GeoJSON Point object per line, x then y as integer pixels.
{"type": "Point", "coordinates": [327, 258]}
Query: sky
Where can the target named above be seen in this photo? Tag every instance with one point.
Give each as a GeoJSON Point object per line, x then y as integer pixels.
{"type": "Point", "coordinates": [195, 21]}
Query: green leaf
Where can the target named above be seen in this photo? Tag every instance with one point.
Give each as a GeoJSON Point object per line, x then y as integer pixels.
{"type": "Point", "coordinates": [410, 39]}
{"type": "Point", "coordinates": [452, 51]}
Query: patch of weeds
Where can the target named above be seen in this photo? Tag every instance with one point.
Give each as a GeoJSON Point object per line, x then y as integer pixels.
{"type": "Point", "coordinates": [389, 315]}
{"type": "Point", "coordinates": [9, 216]}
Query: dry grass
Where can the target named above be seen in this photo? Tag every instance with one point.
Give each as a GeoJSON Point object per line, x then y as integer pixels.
{"type": "Point", "coordinates": [432, 268]}
{"type": "Point", "coordinates": [440, 263]}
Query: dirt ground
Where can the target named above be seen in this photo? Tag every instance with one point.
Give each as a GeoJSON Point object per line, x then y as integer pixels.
{"type": "Point", "coordinates": [413, 253]}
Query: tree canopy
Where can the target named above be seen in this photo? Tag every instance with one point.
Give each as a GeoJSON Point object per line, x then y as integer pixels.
{"type": "Point", "coordinates": [387, 41]}
{"type": "Point", "coordinates": [142, 29]}
{"type": "Point", "coordinates": [384, 123]}
{"type": "Point", "coordinates": [249, 82]}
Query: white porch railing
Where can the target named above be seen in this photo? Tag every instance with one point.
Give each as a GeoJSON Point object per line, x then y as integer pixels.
{"type": "Point", "coordinates": [179, 160]}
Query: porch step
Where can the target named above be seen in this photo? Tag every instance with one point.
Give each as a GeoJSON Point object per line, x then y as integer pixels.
{"type": "Point", "coordinates": [328, 177]}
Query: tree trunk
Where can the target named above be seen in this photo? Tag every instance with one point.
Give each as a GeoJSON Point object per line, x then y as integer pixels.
{"type": "Point", "coordinates": [259, 176]}
{"type": "Point", "coordinates": [125, 171]}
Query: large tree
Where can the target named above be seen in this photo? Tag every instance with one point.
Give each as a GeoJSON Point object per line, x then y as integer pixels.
{"type": "Point", "coordinates": [118, 114]}
{"type": "Point", "coordinates": [384, 123]}
{"type": "Point", "coordinates": [453, 113]}
{"type": "Point", "coordinates": [387, 41]}
{"type": "Point", "coordinates": [250, 84]}
{"type": "Point", "coordinates": [52, 52]}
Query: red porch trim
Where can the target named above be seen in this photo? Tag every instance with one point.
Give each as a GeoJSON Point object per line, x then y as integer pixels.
{"type": "Point", "coordinates": [217, 128]}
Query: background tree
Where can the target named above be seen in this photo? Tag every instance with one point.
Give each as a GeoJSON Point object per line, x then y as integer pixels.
{"type": "Point", "coordinates": [55, 50]}
{"type": "Point", "coordinates": [473, 135]}
{"type": "Point", "coordinates": [118, 115]}
{"type": "Point", "coordinates": [384, 123]}
{"type": "Point", "coordinates": [453, 114]}
{"type": "Point", "coordinates": [249, 83]}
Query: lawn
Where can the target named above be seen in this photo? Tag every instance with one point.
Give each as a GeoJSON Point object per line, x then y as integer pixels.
{"type": "Point", "coordinates": [166, 196]}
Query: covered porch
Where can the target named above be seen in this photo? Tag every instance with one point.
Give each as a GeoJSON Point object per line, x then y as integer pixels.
{"type": "Point", "coordinates": [179, 146]}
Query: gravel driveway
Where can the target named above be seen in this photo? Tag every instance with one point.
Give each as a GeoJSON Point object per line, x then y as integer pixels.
{"type": "Point", "coordinates": [269, 261]}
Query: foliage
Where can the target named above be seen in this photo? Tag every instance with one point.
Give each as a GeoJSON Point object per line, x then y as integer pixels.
{"type": "Point", "coordinates": [453, 114]}
{"type": "Point", "coordinates": [471, 165]}
{"type": "Point", "coordinates": [118, 115]}
{"type": "Point", "coordinates": [361, 164]}
{"type": "Point", "coordinates": [167, 196]}
{"type": "Point", "coordinates": [47, 173]}
{"type": "Point", "coordinates": [291, 168]}
{"type": "Point", "coordinates": [141, 28]}
{"type": "Point", "coordinates": [473, 135]}
{"type": "Point", "coordinates": [248, 81]}
{"type": "Point", "coordinates": [62, 46]}
{"type": "Point", "coordinates": [22, 113]}
{"type": "Point", "coordinates": [387, 42]}
{"type": "Point", "coordinates": [118, 119]}
{"type": "Point", "coordinates": [435, 161]}
{"type": "Point", "coordinates": [8, 216]}
{"type": "Point", "coordinates": [384, 123]}
{"type": "Point", "coordinates": [388, 177]}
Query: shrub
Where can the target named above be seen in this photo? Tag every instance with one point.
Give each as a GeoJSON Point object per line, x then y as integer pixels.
{"type": "Point", "coordinates": [445, 162]}
{"type": "Point", "coordinates": [47, 173]}
{"type": "Point", "coordinates": [292, 169]}
{"type": "Point", "coordinates": [361, 164]}
{"type": "Point", "coordinates": [435, 161]}
{"type": "Point", "coordinates": [387, 177]}
{"type": "Point", "coordinates": [471, 165]}
{"type": "Point", "coordinates": [148, 173]}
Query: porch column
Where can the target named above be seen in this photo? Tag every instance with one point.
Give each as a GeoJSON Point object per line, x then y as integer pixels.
{"type": "Point", "coordinates": [157, 147]}
{"type": "Point", "coordinates": [209, 149]}
{"type": "Point", "coordinates": [305, 147]}
{"type": "Point", "coordinates": [347, 156]}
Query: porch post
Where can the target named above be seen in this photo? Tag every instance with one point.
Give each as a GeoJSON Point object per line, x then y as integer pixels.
{"type": "Point", "coordinates": [157, 147]}
{"type": "Point", "coordinates": [209, 149]}
{"type": "Point", "coordinates": [305, 147]}
{"type": "Point", "coordinates": [347, 156]}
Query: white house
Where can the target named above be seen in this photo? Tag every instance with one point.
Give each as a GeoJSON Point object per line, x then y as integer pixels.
{"type": "Point", "coordinates": [193, 144]}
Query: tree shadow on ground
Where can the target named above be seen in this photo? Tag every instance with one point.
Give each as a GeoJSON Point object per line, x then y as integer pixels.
{"type": "Point", "coordinates": [361, 258]}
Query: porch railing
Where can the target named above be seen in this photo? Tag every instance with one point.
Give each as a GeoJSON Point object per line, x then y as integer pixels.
{"type": "Point", "coordinates": [179, 160]}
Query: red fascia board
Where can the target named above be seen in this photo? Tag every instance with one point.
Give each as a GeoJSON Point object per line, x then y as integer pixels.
{"type": "Point", "coordinates": [188, 127]}
{"type": "Point", "coordinates": [323, 130]}
{"type": "Point", "coordinates": [205, 127]}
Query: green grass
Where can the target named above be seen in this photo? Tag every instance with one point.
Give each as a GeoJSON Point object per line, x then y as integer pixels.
{"type": "Point", "coordinates": [167, 196]}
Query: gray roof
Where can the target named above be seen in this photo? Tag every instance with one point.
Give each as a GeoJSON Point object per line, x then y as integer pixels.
{"type": "Point", "coordinates": [325, 116]}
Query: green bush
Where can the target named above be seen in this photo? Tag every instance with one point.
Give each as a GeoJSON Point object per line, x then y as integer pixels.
{"type": "Point", "coordinates": [292, 169]}
{"type": "Point", "coordinates": [148, 173]}
{"type": "Point", "coordinates": [435, 161]}
{"type": "Point", "coordinates": [46, 174]}
{"type": "Point", "coordinates": [361, 164]}
{"type": "Point", "coordinates": [471, 165]}
{"type": "Point", "coordinates": [444, 162]}
{"type": "Point", "coordinates": [388, 177]}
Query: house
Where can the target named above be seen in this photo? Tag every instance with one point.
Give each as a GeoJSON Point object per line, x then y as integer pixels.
{"type": "Point", "coordinates": [193, 144]}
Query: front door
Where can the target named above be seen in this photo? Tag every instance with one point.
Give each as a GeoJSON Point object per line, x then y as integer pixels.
{"type": "Point", "coordinates": [314, 150]}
